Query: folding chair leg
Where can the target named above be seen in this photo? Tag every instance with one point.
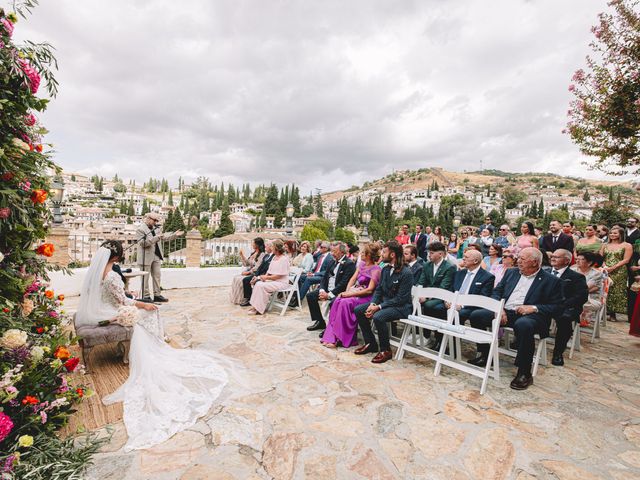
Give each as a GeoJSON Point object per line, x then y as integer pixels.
{"type": "Point", "coordinates": [575, 339]}
{"type": "Point", "coordinates": [286, 303]}
{"type": "Point", "coordinates": [542, 350]}
{"type": "Point", "coordinates": [487, 369]}
{"type": "Point", "coordinates": [446, 340]}
{"type": "Point", "coordinates": [403, 342]}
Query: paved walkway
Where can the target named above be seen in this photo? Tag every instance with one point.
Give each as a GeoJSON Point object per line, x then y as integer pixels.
{"type": "Point", "coordinates": [310, 412]}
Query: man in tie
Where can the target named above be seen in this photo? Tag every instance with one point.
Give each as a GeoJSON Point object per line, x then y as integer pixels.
{"type": "Point", "coordinates": [531, 297]}
{"type": "Point", "coordinates": [414, 262]}
{"type": "Point", "coordinates": [556, 239]}
{"type": "Point", "coordinates": [149, 255]}
{"type": "Point", "coordinates": [420, 240]}
{"type": "Point", "coordinates": [325, 262]}
{"type": "Point", "coordinates": [575, 293]}
{"type": "Point", "coordinates": [333, 283]}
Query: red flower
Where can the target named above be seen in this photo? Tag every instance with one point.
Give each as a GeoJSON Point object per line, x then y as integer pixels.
{"type": "Point", "coordinates": [61, 297]}
{"type": "Point", "coordinates": [5, 212]}
{"type": "Point", "coordinates": [40, 330]}
{"type": "Point", "coordinates": [38, 148]}
{"type": "Point", "coordinates": [80, 392]}
{"type": "Point", "coordinates": [48, 293]}
{"type": "Point", "coordinates": [45, 249]}
{"type": "Point", "coordinates": [6, 310]}
{"type": "Point", "coordinates": [71, 364]}
{"type": "Point", "coordinates": [39, 196]}
{"type": "Point", "coordinates": [7, 176]}
{"type": "Point", "coordinates": [30, 400]}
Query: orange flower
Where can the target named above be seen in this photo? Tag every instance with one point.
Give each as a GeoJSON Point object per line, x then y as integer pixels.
{"type": "Point", "coordinates": [29, 400]}
{"type": "Point", "coordinates": [80, 392]}
{"type": "Point", "coordinates": [61, 297]}
{"type": "Point", "coordinates": [48, 293]}
{"type": "Point", "coordinates": [38, 148]}
{"type": "Point", "coordinates": [45, 249]}
{"type": "Point", "coordinates": [39, 196]}
{"type": "Point", "coordinates": [62, 353]}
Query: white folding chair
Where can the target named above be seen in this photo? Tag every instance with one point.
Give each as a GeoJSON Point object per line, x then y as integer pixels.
{"type": "Point", "coordinates": [541, 349]}
{"type": "Point", "coordinates": [598, 320]}
{"type": "Point", "coordinates": [288, 292]}
{"type": "Point", "coordinates": [475, 335]}
{"type": "Point", "coordinates": [417, 321]}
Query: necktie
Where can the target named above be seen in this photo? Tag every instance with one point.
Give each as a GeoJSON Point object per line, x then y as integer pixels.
{"type": "Point", "coordinates": [555, 239]}
{"type": "Point", "coordinates": [320, 260]}
{"type": "Point", "coordinates": [464, 289]}
{"type": "Point", "coordinates": [555, 272]}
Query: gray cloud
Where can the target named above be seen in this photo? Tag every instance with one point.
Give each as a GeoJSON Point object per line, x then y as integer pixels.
{"type": "Point", "coordinates": [323, 94]}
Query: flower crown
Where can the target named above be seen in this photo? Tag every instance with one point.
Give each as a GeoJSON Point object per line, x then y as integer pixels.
{"type": "Point", "coordinates": [111, 246]}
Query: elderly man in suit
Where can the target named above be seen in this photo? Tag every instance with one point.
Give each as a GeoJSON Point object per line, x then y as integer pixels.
{"type": "Point", "coordinates": [556, 239]}
{"type": "Point", "coordinates": [149, 255]}
{"type": "Point", "coordinates": [531, 297]}
{"type": "Point", "coordinates": [472, 279]}
{"type": "Point", "coordinates": [391, 301]}
{"type": "Point", "coordinates": [250, 280]}
{"type": "Point", "coordinates": [333, 283]}
{"type": "Point", "coordinates": [420, 240]}
{"type": "Point", "coordinates": [414, 262]}
{"type": "Point", "coordinates": [324, 262]}
{"type": "Point", "coordinates": [575, 293]}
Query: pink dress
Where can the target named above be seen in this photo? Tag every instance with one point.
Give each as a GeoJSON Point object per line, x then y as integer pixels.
{"type": "Point", "coordinates": [343, 324]}
{"type": "Point", "coordinates": [262, 290]}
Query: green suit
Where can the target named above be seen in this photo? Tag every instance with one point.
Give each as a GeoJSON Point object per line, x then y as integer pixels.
{"type": "Point", "coordinates": [442, 279]}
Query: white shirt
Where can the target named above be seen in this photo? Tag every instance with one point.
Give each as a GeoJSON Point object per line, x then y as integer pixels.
{"type": "Point", "coordinates": [472, 274]}
{"type": "Point", "coordinates": [411, 264]}
{"type": "Point", "coordinates": [519, 293]}
{"type": "Point", "coordinates": [630, 231]}
{"type": "Point", "coordinates": [436, 266]}
{"type": "Point", "coordinates": [332, 279]}
{"type": "Point", "coordinates": [559, 270]}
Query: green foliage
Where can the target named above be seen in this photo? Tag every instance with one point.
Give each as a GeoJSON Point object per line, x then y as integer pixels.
{"type": "Point", "coordinates": [226, 225]}
{"type": "Point", "coordinates": [323, 224]}
{"type": "Point", "coordinates": [609, 213]}
{"type": "Point", "coordinates": [311, 234]}
{"type": "Point", "coordinates": [513, 197]}
{"type": "Point", "coordinates": [346, 236]}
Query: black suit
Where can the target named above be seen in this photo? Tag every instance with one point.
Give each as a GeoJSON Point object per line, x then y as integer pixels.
{"type": "Point", "coordinates": [563, 241]}
{"type": "Point", "coordinates": [545, 293]}
{"type": "Point", "coordinates": [631, 296]}
{"type": "Point", "coordinates": [481, 284]}
{"type": "Point", "coordinates": [262, 270]}
{"type": "Point", "coordinates": [421, 244]}
{"type": "Point", "coordinates": [575, 293]}
{"type": "Point", "coordinates": [346, 269]}
{"type": "Point", "coordinates": [393, 294]}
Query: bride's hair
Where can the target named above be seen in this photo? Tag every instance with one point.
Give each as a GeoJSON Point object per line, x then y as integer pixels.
{"type": "Point", "coordinates": [116, 248]}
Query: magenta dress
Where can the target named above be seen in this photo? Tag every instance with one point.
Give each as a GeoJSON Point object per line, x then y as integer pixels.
{"type": "Point", "coordinates": [343, 324]}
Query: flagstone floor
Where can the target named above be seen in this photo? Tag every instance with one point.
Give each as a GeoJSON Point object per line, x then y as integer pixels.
{"type": "Point", "coordinates": [305, 411]}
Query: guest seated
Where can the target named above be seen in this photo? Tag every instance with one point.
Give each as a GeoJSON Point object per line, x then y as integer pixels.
{"type": "Point", "coordinates": [333, 283]}
{"type": "Point", "coordinates": [276, 278]}
{"type": "Point", "coordinates": [251, 265]}
{"type": "Point", "coordinates": [486, 240]}
{"type": "Point", "coordinates": [503, 238]}
{"type": "Point", "coordinates": [472, 280]}
{"type": "Point", "coordinates": [575, 292]}
{"type": "Point", "coordinates": [391, 301]}
{"type": "Point", "coordinates": [494, 257]}
{"type": "Point", "coordinates": [508, 261]}
{"type": "Point", "coordinates": [291, 249]}
{"type": "Point", "coordinates": [585, 264]}
{"type": "Point", "coordinates": [324, 263]}
{"type": "Point", "coordinates": [414, 262]}
{"type": "Point", "coordinates": [532, 296]}
{"type": "Point", "coordinates": [343, 324]}
{"type": "Point", "coordinates": [354, 252]}
{"type": "Point", "coordinates": [436, 273]}
{"type": "Point", "coordinates": [248, 280]}
{"type": "Point", "coordinates": [304, 259]}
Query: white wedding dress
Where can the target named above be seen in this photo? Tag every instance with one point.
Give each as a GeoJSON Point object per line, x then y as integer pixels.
{"type": "Point", "coordinates": [168, 389]}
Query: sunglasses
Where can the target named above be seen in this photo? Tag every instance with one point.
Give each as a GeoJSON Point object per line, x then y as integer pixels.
{"type": "Point", "coordinates": [507, 256]}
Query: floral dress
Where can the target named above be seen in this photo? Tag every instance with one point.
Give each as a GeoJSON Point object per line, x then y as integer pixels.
{"type": "Point", "coordinates": [251, 264]}
{"type": "Point", "coordinates": [617, 298]}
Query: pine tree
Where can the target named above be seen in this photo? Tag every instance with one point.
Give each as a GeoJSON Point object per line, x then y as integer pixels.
{"type": "Point", "coordinates": [295, 201]}
{"type": "Point", "coordinates": [533, 210]}
{"type": "Point", "coordinates": [145, 207]}
{"type": "Point", "coordinates": [319, 208]}
{"type": "Point", "coordinates": [131, 211]}
{"type": "Point", "coordinates": [262, 222]}
{"type": "Point", "coordinates": [170, 200]}
{"type": "Point", "coordinates": [271, 201]}
{"type": "Point", "coordinates": [586, 197]}
{"type": "Point", "coordinates": [226, 225]}
{"type": "Point", "coordinates": [541, 209]}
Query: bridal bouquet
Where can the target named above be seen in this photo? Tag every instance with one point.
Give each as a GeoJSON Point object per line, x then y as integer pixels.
{"type": "Point", "coordinates": [127, 316]}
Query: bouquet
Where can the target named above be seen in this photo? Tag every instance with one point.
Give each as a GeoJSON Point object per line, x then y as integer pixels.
{"type": "Point", "coordinates": [127, 316]}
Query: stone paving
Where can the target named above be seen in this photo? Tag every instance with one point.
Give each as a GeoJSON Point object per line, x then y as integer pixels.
{"type": "Point", "coordinates": [306, 411]}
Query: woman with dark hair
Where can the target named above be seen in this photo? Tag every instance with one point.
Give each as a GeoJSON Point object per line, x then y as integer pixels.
{"type": "Point", "coordinates": [494, 257]}
{"type": "Point", "coordinates": [585, 264]}
{"type": "Point", "coordinates": [528, 237]}
{"type": "Point", "coordinates": [354, 252]}
{"type": "Point", "coordinates": [250, 264]}
{"type": "Point", "coordinates": [168, 389]}
{"type": "Point", "coordinates": [343, 326]}
{"type": "Point", "coordinates": [276, 278]}
{"type": "Point", "coordinates": [437, 233]}
{"type": "Point", "coordinates": [617, 254]}
{"type": "Point", "coordinates": [590, 242]}
{"type": "Point", "coordinates": [291, 248]}
{"type": "Point", "coordinates": [452, 248]}
{"type": "Point", "coordinates": [508, 260]}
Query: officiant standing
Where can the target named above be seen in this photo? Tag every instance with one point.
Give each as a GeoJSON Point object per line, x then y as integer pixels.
{"type": "Point", "coordinates": [149, 256]}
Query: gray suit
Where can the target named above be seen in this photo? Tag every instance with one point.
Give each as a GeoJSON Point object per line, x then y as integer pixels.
{"type": "Point", "coordinates": [149, 249]}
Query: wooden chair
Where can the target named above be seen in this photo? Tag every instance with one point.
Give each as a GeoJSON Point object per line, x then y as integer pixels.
{"type": "Point", "coordinates": [91, 336]}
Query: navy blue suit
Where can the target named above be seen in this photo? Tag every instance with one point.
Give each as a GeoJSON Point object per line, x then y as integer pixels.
{"type": "Point", "coordinates": [481, 284]}
{"type": "Point", "coordinates": [305, 282]}
{"type": "Point", "coordinates": [545, 294]}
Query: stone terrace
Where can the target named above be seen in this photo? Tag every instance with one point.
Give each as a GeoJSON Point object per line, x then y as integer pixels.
{"type": "Point", "coordinates": [305, 411]}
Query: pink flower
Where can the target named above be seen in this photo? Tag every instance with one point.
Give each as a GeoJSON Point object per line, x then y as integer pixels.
{"type": "Point", "coordinates": [5, 212]}
{"type": "Point", "coordinates": [572, 87]}
{"type": "Point", "coordinates": [7, 25]}
{"type": "Point", "coordinates": [53, 314]}
{"type": "Point", "coordinates": [30, 120]}
{"type": "Point", "coordinates": [6, 425]}
{"type": "Point", "coordinates": [26, 186]}
{"type": "Point", "coordinates": [637, 103]}
{"type": "Point", "coordinates": [64, 387]}
{"type": "Point", "coordinates": [578, 76]}
{"type": "Point", "coordinates": [43, 417]}
{"type": "Point", "coordinates": [11, 390]}
{"type": "Point", "coordinates": [32, 74]}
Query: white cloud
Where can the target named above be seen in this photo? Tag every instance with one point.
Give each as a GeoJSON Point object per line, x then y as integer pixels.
{"type": "Point", "coordinates": [324, 94]}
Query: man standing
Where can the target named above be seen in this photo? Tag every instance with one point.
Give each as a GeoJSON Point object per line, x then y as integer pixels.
{"type": "Point", "coordinates": [531, 297]}
{"type": "Point", "coordinates": [420, 240]}
{"type": "Point", "coordinates": [632, 235]}
{"type": "Point", "coordinates": [603, 233]}
{"type": "Point", "coordinates": [391, 301]}
{"type": "Point", "coordinates": [149, 255]}
{"type": "Point", "coordinates": [575, 293]}
{"type": "Point", "coordinates": [556, 239]}
{"type": "Point", "coordinates": [488, 225]}
{"type": "Point", "coordinates": [403, 237]}
{"type": "Point", "coordinates": [333, 283]}
{"type": "Point", "coordinates": [412, 261]}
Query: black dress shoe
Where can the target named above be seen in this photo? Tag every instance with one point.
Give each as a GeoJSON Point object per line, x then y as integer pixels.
{"type": "Point", "coordinates": [146, 300]}
{"type": "Point", "coordinates": [557, 360]}
{"type": "Point", "coordinates": [317, 326]}
{"type": "Point", "coordinates": [479, 361]}
{"type": "Point", "coordinates": [522, 381]}
{"type": "Point", "coordinates": [246, 303]}
{"type": "Point", "coordinates": [160, 299]}
{"type": "Point", "coordinates": [322, 333]}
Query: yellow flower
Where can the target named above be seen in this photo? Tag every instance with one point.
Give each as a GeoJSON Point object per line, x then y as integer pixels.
{"type": "Point", "coordinates": [25, 441]}
{"type": "Point", "coordinates": [13, 338]}
{"type": "Point", "coordinates": [46, 349]}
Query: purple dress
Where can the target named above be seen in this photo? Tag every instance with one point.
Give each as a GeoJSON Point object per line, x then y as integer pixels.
{"type": "Point", "coordinates": [343, 324]}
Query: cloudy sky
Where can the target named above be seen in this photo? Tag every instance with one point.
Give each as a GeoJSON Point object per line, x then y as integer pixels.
{"type": "Point", "coordinates": [322, 93]}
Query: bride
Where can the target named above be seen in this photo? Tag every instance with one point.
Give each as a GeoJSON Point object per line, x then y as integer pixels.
{"type": "Point", "coordinates": [168, 389]}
